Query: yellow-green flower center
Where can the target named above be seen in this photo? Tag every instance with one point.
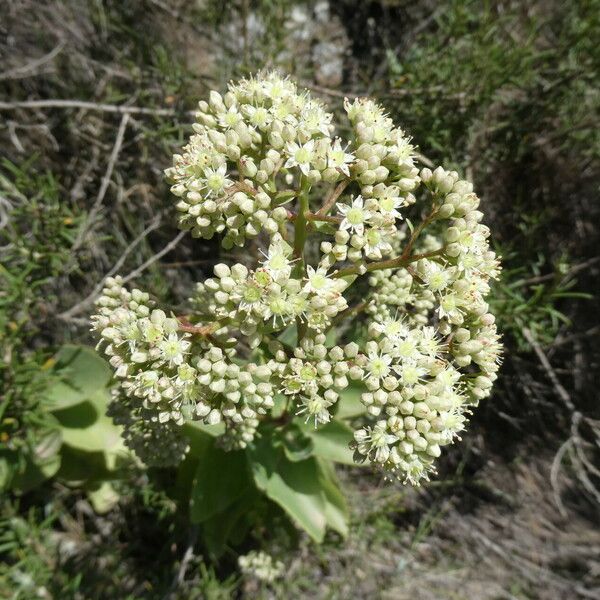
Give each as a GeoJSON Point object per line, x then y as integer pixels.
{"type": "Point", "coordinates": [355, 216]}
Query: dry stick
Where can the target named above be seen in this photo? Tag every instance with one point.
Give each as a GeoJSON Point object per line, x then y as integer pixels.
{"type": "Point", "coordinates": [532, 571]}
{"type": "Point", "coordinates": [558, 387]}
{"type": "Point", "coordinates": [204, 330]}
{"type": "Point", "coordinates": [576, 417]}
{"type": "Point", "coordinates": [103, 186]}
{"type": "Point", "coordinates": [393, 93]}
{"type": "Point", "coordinates": [572, 271]}
{"type": "Point", "coordinates": [401, 261]}
{"type": "Point", "coordinates": [554, 471]}
{"type": "Point", "coordinates": [185, 563]}
{"type": "Point", "coordinates": [353, 310]}
{"type": "Point", "coordinates": [22, 71]}
{"type": "Point", "coordinates": [67, 314]}
{"type": "Point", "coordinates": [332, 198]}
{"type": "Point", "coordinates": [85, 105]}
{"type": "Point", "coordinates": [580, 457]}
{"type": "Point", "coordinates": [426, 161]}
{"type": "Point", "coordinates": [170, 246]}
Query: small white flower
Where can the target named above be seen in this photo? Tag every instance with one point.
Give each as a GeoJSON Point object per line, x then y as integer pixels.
{"type": "Point", "coordinates": [302, 379]}
{"type": "Point", "coordinates": [448, 378]}
{"type": "Point", "coordinates": [379, 365]}
{"type": "Point", "coordinates": [230, 119]}
{"type": "Point", "coordinates": [277, 261]}
{"type": "Point", "coordinates": [407, 348]}
{"type": "Point", "coordinates": [315, 408]}
{"type": "Point", "coordinates": [317, 281]}
{"type": "Point", "coordinates": [394, 329]}
{"type": "Point", "coordinates": [251, 296]}
{"type": "Point", "coordinates": [314, 119]}
{"type": "Point", "coordinates": [216, 181]}
{"type": "Point", "coordinates": [258, 116]}
{"type": "Point", "coordinates": [300, 156]}
{"type": "Point", "coordinates": [285, 110]}
{"type": "Point", "coordinates": [450, 306]}
{"type": "Point", "coordinates": [436, 276]}
{"type": "Point", "coordinates": [338, 158]}
{"type": "Point", "coordinates": [403, 146]}
{"type": "Point", "coordinates": [374, 243]}
{"type": "Point", "coordinates": [388, 206]}
{"type": "Point", "coordinates": [173, 349]}
{"type": "Point", "coordinates": [355, 216]}
{"type": "Point", "coordinates": [276, 88]}
{"type": "Point", "coordinates": [410, 372]}
{"type": "Point", "coordinates": [429, 344]}
{"type": "Point", "coordinates": [278, 306]}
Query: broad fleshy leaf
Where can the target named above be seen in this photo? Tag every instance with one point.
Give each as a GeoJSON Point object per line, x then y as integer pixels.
{"type": "Point", "coordinates": [81, 372]}
{"type": "Point", "coordinates": [220, 479]}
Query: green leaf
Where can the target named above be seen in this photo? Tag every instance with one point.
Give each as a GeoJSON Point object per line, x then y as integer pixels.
{"type": "Point", "coordinates": [191, 428]}
{"type": "Point", "coordinates": [336, 507]}
{"type": "Point", "coordinates": [280, 402]}
{"type": "Point", "coordinates": [230, 525]}
{"type": "Point", "coordinates": [289, 336]}
{"type": "Point", "coordinates": [38, 463]}
{"type": "Point", "coordinates": [47, 446]}
{"type": "Point", "coordinates": [81, 373]}
{"type": "Point", "coordinates": [93, 447]}
{"type": "Point", "coordinates": [79, 467]}
{"type": "Point", "coordinates": [86, 426]}
{"type": "Point", "coordinates": [331, 441]}
{"type": "Point", "coordinates": [6, 472]}
{"type": "Point", "coordinates": [285, 196]}
{"type": "Point", "coordinates": [199, 439]}
{"type": "Point", "coordinates": [221, 478]}
{"type": "Point", "coordinates": [349, 404]}
{"type": "Point", "coordinates": [295, 486]}
{"type": "Point", "coordinates": [34, 473]}
{"type": "Point", "coordinates": [296, 445]}
{"type": "Point", "coordinates": [104, 497]}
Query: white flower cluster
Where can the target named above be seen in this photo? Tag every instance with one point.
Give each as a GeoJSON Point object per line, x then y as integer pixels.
{"type": "Point", "coordinates": [168, 376]}
{"type": "Point", "coordinates": [442, 371]}
{"type": "Point", "coordinates": [386, 175]}
{"type": "Point", "coordinates": [260, 565]}
{"type": "Point", "coordinates": [316, 376]}
{"type": "Point", "coordinates": [259, 127]}
{"type": "Point", "coordinates": [264, 160]}
{"type": "Point", "coordinates": [270, 295]}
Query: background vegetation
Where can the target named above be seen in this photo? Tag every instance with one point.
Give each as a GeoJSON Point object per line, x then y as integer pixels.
{"type": "Point", "coordinates": [96, 96]}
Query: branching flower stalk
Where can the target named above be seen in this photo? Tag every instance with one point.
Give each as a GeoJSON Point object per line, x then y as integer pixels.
{"type": "Point", "coordinates": [264, 165]}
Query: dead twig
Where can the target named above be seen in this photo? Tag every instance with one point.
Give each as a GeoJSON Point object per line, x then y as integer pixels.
{"type": "Point", "coordinates": [333, 196]}
{"type": "Point", "coordinates": [25, 70]}
{"type": "Point", "coordinates": [77, 308]}
{"type": "Point", "coordinates": [103, 186]}
{"type": "Point", "coordinates": [170, 246]}
{"type": "Point", "coordinates": [574, 445]}
{"type": "Point", "coordinates": [554, 471]}
{"type": "Point", "coordinates": [572, 271]}
{"type": "Point", "coordinates": [558, 387]}
{"type": "Point", "coordinates": [185, 563]}
{"type": "Point", "coordinates": [85, 105]}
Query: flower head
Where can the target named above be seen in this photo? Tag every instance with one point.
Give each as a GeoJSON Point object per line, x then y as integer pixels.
{"type": "Point", "coordinates": [300, 156]}
{"type": "Point", "coordinates": [354, 216]}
